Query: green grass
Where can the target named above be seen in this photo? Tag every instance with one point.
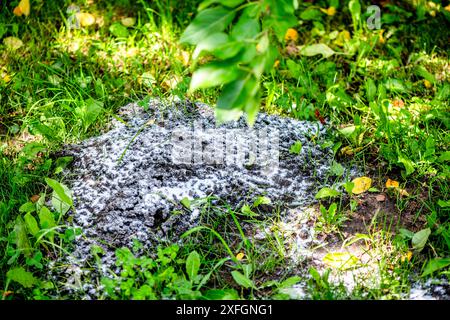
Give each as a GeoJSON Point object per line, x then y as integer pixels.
{"type": "Point", "coordinates": [387, 101]}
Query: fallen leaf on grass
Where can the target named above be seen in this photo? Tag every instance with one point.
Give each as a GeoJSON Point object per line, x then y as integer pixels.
{"type": "Point", "coordinates": [361, 185]}
{"type": "Point", "coordinates": [23, 8]}
{"type": "Point", "coordinates": [392, 184]}
{"type": "Point", "coordinates": [380, 197]}
{"type": "Point", "coordinates": [240, 256]}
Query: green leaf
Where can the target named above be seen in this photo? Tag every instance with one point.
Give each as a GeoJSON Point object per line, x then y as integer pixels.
{"type": "Point", "coordinates": [443, 204]}
{"type": "Point", "coordinates": [355, 10]}
{"type": "Point", "coordinates": [246, 28]}
{"type": "Point", "coordinates": [409, 165]}
{"type": "Point", "coordinates": [27, 207]}
{"type": "Point", "coordinates": [192, 265]}
{"type": "Point", "coordinates": [406, 233]}
{"type": "Point", "coordinates": [20, 275]}
{"type": "Point", "coordinates": [311, 14]}
{"type": "Point", "coordinates": [22, 242]}
{"type": "Point", "coordinates": [236, 96]}
{"type": "Point", "coordinates": [315, 49]}
{"type": "Point", "coordinates": [420, 239]}
{"type": "Point", "coordinates": [327, 193]}
{"type": "Point", "coordinates": [93, 109]}
{"type": "Point", "coordinates": [226, 3]}
{"type": "Point", "coordinates": [60, 190]}
{"type": "Point", "coordinates": [186, 203]}
{"type": "Point", "coordinates": [46, 219]}
{"type": "Point", "coordinates": [261, 200]}
{"type": "Point", "coordinates": [371, 90]}
{"type": "Point", "coordinates": [337, 169]}
{"type": "Point", "coordinates": [296, 148]}
{"type": "Point", "coordinates": [222, 294]}
{"type": "Point", "coordinates": [445, 156]}
{"type": "Point", "coordinates": [435, 265]}
{"type": "Point", "coordinates": [214, 74]}
{"type": "Point", "coordinates": [242, 280]}
{"type": "Point", "coordinates": [281, 17]}
{"type": "Point", "coordinates": [422, 72]}
{"type": "Point", "coordinates": [31, 223]}
{"type": "Point", "coordinates": [118, 30]}
{"type": "Point", "coordinates": [207, 22]}
{"type": "Point", "coordinates": [289, 282]}
{"type": "Point", "coordinates": [210, 43]}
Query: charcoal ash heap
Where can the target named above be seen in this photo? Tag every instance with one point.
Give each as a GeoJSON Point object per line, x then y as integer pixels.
{"type": "Point", "coordinates": [128, 182]}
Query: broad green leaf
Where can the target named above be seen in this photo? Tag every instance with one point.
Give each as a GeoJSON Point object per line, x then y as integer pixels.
{"type": "Point", "coordinates": [420, 239]}
{"type": "Point", "coordinates": [395, 85]}
{"type": "Point", "coordinates": [315, 49]}
{"type": "Point", "coordinates": [445, 156]}
{"type": "Point", "coordinates": [46, 219]}
{"type": "Point", "coordinates": [409, 165]}
{"type": "Point", "coordinates": [186, 203]}
{"type": "Point", "coordinates": [214, 74]}
{"type": "Point", "coordinates": [93, 109]}
{"type": "Point", "coordinates": [237, 93]}
{"type": "Point", "coordinates": [118, 30]}
{"type": "Point", "coordinates": [20, 275]}
{"type": "Point", "coordinates": [246, 28]}
{"type": "Point", "coordinates": [226, 3]}
{"type": "Point", "coordinates": [281, 17]}
{"type": "Point", "coordinates": [31, 223]}
{"type": "Point", "coordinates": [222, 294]}
{"type": "Point", "coordinates": [422, 72]}
{"type": "Point", "coordinates": [60, 190]}
{"type": "Point", "coordinates": [210, 43]}
{"type": "Point", "coordinates": [327, 193]}
{"type": "Point", "coordinates": [289, 282]}
{"type": "Point", "coordinates": [28, 207]}
{"type": "Point", "coordinates": [337, 169]}
{"type": "Point", "coordinates": [242, 280]}
{"type": "Point", "coordinates": [406, 233]}
{"type": "Point", "coordinates": [192, 265]}
{"type": "Point", "coordinates": [435, 265]}
{"type": "Point", "coordinates": [22, 242]}
{"type": "Point", "coordinates": [207, 22]}
{"type": "Point", "coordinates": [296, 148]}
{"type": "Point", "coordinates": [261, 200]}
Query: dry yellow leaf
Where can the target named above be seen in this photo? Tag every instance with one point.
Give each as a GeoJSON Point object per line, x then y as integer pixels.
{"type": "Point", "coordinates": [406, 257]}
{"type": "Point", "coordinates": [402, 192]}
{"type": "Point", "coordinates": [291, 35]}
{"type": "Point", "coordinates": [392, 184]}
{"type": "Point", "coordinates": [86, 19]}
{"type": "Point", "coordinates": [240, 256]}
{"type": "Point", "coordinates": [23, 8]}
{"type": "Point", "coordinates": [331, 11]}
{"type": "Point", "coordinates": [361, 185]}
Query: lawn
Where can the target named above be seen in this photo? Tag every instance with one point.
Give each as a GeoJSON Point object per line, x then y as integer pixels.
{"type": "Point", "coordinates": [381, 90]}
